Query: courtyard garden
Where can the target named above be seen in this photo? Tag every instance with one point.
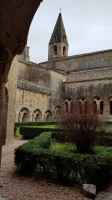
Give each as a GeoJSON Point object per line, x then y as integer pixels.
{"type": "Point", "coordinates": [76, 149]}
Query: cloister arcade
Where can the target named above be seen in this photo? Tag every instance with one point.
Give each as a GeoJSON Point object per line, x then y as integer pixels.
{"type": "Point", "coordinates": [101, 106]}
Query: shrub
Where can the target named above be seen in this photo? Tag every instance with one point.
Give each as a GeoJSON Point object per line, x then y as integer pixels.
{"type": "Point", "coordinates": [20, 124]}
{"type": "Point", "coordinates": [63, 162]}
{"type": "Point", "coordinates": [26, 156]}
{"type": "Point", "coordinates": [83, 127]}
{"type": "Point", "coordinates": [31, 132]}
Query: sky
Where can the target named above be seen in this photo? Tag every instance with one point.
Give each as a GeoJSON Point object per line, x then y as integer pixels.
{"type": "Point", "coordinates": [88, 25]}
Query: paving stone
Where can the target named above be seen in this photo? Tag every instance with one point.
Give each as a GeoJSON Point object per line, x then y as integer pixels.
{"type": "Point", "coordinates": [104, 196]}
{"type": "Point", "coordinates": [89, 190]}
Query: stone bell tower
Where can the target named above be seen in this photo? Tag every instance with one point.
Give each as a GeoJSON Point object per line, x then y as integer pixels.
{"type": "Point", "coordinates": [58, 45]}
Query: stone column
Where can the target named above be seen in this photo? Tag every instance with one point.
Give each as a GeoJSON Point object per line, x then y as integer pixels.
{"type": "Point", "coordinates": [5, 120]}
{"type": "Point", "coordinates": [106, 113]}
{"type": "Point", "coordinates": [2, 115]}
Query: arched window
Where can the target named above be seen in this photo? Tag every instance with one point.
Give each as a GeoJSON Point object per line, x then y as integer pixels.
{"type": "Point", "coordinates": [37, 115]}
{"type": "Point", "coordinates": [98, 105]}
{"type": "Point", "coordinates": [82, 104]}
{"type": "Point", "coordinates": [66, 106]}
{"type": "Point", "coordinates": [48, 116]}
{"type": "Point", "coordinates": [110, 105]}
{"type": "Point", "coordinates": [57, 112]}
{"type": "Point", "coordinates": [64, 51]}
{"type": "Point", "coordinates": [101, 107]}
{"type": "Point", "coordinates": [95, 106]}
{"type": "Point", "coordinates": [55, 50]}
{"type": "Point", "coordinates": [24, 115]}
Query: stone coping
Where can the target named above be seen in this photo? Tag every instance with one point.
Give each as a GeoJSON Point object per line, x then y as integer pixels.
{"type": "Point", "coordinates": [26, 85]}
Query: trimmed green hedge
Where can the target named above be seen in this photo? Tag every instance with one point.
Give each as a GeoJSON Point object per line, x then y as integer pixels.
{"type": "Point", "coordinates": [31, 132]}
{"type": "Point", "coordinates": [20, 124]}
{"type": "Point", "coordinates": [63, 163]}
{"type": "Point", "coordinates": [15, 129]}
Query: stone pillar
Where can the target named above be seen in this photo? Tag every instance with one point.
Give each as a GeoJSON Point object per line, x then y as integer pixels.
{"type": "Point", "coordinates": [106, 113]}
{"type": "Point", "coordinates": [20, 117]}
{"type": "Point", "coordinates": [5, 120]}
{"type": "Point", "coordinates": [98, 106]}
{"type": "Point", "coordinates": [30, 116]}
{"type": "Point", "coordinates": [2, 115]}
{"type": "Point", "coordinates": [33, 118]}
{"type": "Point", "coordinates": [107, 108]}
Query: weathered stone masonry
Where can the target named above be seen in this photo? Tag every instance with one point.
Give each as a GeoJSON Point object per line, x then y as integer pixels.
{"type": "Point", "coordinates": [43, 89]}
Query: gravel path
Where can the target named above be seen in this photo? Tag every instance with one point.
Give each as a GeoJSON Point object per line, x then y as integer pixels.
{"type": "Point", "coordinates": [16, 187]}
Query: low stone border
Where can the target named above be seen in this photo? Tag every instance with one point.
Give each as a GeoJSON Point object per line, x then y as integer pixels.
{"type": "Point", "coordinates": [104, 196]}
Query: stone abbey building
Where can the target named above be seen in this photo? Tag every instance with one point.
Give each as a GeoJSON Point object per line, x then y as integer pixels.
{"type": "Point", "coordinates": [40, 90]}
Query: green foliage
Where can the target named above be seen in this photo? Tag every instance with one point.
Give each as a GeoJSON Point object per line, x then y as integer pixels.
{"type": "Point", "coordinates": [27, 155]}
{"type": "Point", "coordinates": [15, 129]}
{"type": "Point", "coordinates": [62, 147]}
{"type": "Point", "coordinates": [63, 162]}
{"type": "Point", "coordinates": [20, 124]}
{"type": "Point", "coordinates": [30, 132]}
{"type": "Point", "coordinates": [106, 139]}
{"type": "Point", "coordinates": [17, 132]}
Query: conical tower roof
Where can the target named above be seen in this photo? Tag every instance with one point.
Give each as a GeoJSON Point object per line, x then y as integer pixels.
{"type": "Point", "coordinates": [59, 33]}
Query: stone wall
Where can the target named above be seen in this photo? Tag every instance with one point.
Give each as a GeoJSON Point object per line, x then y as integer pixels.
{"type": "Point", "coordinates": [28, 71]}
{"type": "Point", "coordinates": [82, 62]}
{"type": "Point", "coordinates": [11, 86]}
{"type": "Point", "coordinates": [90, 90]}
{"type": "Point", "coordinates": [35, 97]}
{"type": "Point", "coordinates": [90, 75]}
{"type": "Point", "coordinates": [32, 101]}
{"type": "Point", "coordinates": [57, 90]}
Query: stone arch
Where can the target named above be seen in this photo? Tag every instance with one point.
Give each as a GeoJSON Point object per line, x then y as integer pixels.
{"type": "Point", "coordinates": [48, 115]}
{"type": "Point", "coordinates": [9, 48]}
{"type": "Point", "coordinates": [64, 51]}
{"type": "Point", "coordinates": [55, 50]}
{"type": "Point", "coordinates": [24, 115]}
{"type": "Point", "coordinates": [37, 116]}
{"type": "Point", "coordinates": [82, 100]}
{"type": "Point", "coordinates": [57, 112]}
{"type": "Point", "coordinates": [98, 104]}
{"type": "Point", "coordinates": [67, 105]}
{"type": "Point", "coordinates": [82, 104]}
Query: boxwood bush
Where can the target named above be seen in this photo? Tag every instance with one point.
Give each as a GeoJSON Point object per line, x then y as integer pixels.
{"type": "Point", "coordinates": [30, 132]}
{"type": "Point", "coordinates": [44, 154]}
{"type": "Point", "coordinates": [33, 123]}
